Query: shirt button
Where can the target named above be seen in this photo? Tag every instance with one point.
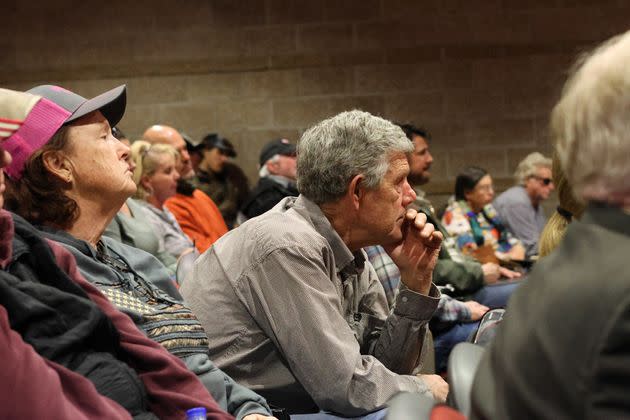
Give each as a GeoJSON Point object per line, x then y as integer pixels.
{"type": "Point", "coordinates": [404, 299]}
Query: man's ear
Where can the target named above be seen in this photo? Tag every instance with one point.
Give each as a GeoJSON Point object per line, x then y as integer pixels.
{"type": "Point", "coordinates": [356, 190]}
{"type": "Point", "coordinates": [58, 165]}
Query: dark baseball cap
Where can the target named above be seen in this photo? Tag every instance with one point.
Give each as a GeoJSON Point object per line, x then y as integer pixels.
{"type": "Point", "coordinates": [213, 140]}
{"type": "Point", "coordinates": [111, 103]}
{"type": "Point", "coordinates": [276, 147]}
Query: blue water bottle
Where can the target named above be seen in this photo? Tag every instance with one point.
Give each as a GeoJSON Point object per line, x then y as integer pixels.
{"type": "Point", "coordinates": [198, 413]}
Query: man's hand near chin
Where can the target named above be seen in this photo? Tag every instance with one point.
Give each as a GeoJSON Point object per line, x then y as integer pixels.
{"type": "Point", "coordinates": [417, 252]}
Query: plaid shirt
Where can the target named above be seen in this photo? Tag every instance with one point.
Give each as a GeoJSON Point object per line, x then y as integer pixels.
{"type": "Point", "coordinates": [448, 309]}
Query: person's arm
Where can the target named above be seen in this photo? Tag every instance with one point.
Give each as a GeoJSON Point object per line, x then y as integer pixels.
{"type": "Point", "coordinates": [522, 223]}
{"type": "Point", "coordinates": [466, 276]}
{"type": "Point", "coordinates": [298, 307]}
{"type": "Point", "coordinates": [203, 232]}
{"type": "Point", "coordinates": [33, 387]}
{"type": "Point", "coordinates": [242, 401]}
{"type": "Point", "coordinates": [172, 388]}
{"type": "Point", "coordinates": [450, 310]}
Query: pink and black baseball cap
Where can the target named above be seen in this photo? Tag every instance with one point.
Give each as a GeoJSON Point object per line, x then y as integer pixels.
{"type": "Point", "coordinates": [55, 107]}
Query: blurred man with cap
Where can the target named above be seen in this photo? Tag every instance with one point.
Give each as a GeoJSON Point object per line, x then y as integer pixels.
{"type": "Point", "coordinates": [277, 178]}
{"type": "Point", "coordinates": [223, 181]}
{"type": "Point", "coordinates": [168, 135]}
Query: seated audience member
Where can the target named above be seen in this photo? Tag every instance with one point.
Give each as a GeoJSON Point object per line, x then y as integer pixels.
{"type": "Point", "coordinates": [520, 206]}
{"type": "Point", "coordinates": [569, 209]}
{"type": "Point", "coordinates": [222, 180]}
{"type": "Point", "coordinates": [472, 220]}
{"type": "Point", "coordinates": [67, 352]}
{"type": "Point", "coordinates": [463, 276]}
{"type": "Point", "coordinates": [194, 149]}
{"type": "Point", "coordinates": [305, 320]}
{"type": "Point", "coordinates": [156, 178]}
{"type": "Point", "coordinates": [70, 180]}
{"type": "Point", "coordinates": [563, 348]}
{"type": "Point", "coordinates": [196, 213]}
{"type": "Point", "coordinates": [452, 322]}
{"type": "Point", "coordinates": [277, 178]}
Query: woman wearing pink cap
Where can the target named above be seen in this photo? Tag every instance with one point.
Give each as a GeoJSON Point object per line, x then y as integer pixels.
{"type": "Point", "coordinates": [68, 352]}
{"type": "Point", "coordinates": [71, 179]}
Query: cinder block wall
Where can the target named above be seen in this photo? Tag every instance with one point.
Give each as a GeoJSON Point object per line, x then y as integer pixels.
{"type": "Point", "coordinates": [481, 75]}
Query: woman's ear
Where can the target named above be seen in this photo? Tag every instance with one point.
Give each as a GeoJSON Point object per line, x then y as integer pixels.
{"type": "Point", "coordinates": [58, 165]}
{"type": "Point", "coordinates": [145, 182]}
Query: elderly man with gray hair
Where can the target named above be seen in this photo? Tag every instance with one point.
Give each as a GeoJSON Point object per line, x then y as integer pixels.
{"type": "Point", "coordinates": [293, 308]}
{"type": "Point", "coordinates": [519, 207]}
{"type": "Point", "coordinates": [563, 350]}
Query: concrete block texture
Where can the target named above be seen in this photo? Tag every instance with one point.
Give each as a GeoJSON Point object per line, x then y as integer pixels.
{"type": "Point", "coordinates": [482, 76]}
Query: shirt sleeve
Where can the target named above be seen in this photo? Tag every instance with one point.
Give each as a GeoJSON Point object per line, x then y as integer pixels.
{"type": "Point", "coordinates": [450, 310]}
{"type": "Point", "coordinates": [399, 344]}
{"type": "Point", "coordinates": [301, 312]}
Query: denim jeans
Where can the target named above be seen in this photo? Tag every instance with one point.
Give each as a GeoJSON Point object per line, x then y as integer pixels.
{"type": "Point", "coordinates": [322, 415]}
{"type": "Point", "coordinates": [445, 342]}
{"type": "Point", "coordinates": [496, 295]}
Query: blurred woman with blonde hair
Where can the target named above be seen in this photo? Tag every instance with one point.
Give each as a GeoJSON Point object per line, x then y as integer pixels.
{"type": "Point", "coordinates": [156, 176]}
{"type": "Point", "coordinates": [569, 208]}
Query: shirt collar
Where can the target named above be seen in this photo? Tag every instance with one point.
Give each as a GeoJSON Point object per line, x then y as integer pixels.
{"type": "Point", "coordinates": [345, 260]}
{"type": "Point", "coordinates": [608, 216]}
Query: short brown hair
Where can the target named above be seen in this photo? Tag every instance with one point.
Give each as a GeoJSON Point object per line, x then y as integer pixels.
{"type": "Point", "coordinates": [39, 196]}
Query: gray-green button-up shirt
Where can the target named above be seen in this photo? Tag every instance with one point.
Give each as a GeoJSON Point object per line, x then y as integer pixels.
{"type": "Point", "coordinates": [292, 313]}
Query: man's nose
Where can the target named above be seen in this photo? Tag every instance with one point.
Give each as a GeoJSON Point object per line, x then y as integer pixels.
{"type": "Point", "coordinates": [409, 195]}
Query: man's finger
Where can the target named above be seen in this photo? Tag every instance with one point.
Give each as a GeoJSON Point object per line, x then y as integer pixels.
{"type": "Point", "coordinates": [410, 214]}
{"type": "Point", "coordinates": [426, 230]}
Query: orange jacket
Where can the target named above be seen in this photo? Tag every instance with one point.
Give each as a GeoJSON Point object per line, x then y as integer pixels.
{"type": "Point", "coordinates": [198, 217]}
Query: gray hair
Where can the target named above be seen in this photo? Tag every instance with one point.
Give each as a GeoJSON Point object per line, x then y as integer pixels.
{"type": "Point", "coordinates": [590, 125]}
{"type": "Point", "coordinates": [335, 150]}
{"type": "Point", "coordinates": [528, 166]}
{"type": "Point", "coordinates": [264, 171]}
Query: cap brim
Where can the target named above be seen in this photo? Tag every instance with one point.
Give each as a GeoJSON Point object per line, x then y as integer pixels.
{"type": "Point", "coordinates": [229, 152]}
{"type": "Point", "coordinates": [112, 105]}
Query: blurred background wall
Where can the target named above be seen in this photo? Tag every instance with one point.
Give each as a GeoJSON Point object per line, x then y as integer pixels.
{"type": "Point", "coordinates": [481, 75]}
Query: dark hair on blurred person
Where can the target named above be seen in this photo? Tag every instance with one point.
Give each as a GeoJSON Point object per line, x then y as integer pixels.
{"type": "Point", "coordinates": [467, 180]}
{"type": "Point", "coordinates": [411, 130]}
